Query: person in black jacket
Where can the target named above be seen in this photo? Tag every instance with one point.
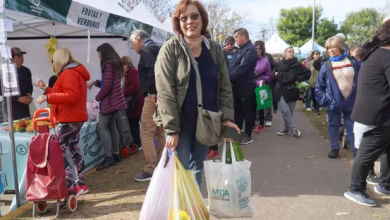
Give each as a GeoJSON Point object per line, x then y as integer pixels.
{"type": "Point", "coordinates": [20, 104]}
{"type": "Point", "coordinates": [287, 73]}
{"type": "Point", "coordinates": [148, 51]}
{"type": "Point", "coordinates": [242, 77]}
{"type": "Point", "coordinates": [372, 119]}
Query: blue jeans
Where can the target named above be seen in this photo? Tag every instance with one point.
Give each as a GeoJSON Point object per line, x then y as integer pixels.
{"type": "Point", "coordinates": [192, 154]}
{"type": "Point", "coordinates": [308, 98]}
{"type": "Point", "coordinates": [334, 123]}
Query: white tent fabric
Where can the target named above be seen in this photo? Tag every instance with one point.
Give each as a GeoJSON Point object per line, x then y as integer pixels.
{"type": "Point", "coordinates": [31, 33]}
{"type": "Point", "coordinates": [168, 24]}
{"type": "Point", "coordinates": [141, 11]}
{"type": "Point", "coordinates": [306, 48]}
{"type": "Point", "coordinates": [276, 45]}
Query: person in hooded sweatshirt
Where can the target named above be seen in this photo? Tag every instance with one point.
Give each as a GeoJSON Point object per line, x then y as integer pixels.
{"type": "Point", "coordinates": [68, 99]}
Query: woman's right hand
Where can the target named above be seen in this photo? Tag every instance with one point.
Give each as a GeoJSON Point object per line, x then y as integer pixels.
{"type": "Point", "coordinates": [172, 142]}
{"type": "Point", "coordinates": [91, 84]}
{"type": "Point", "coordinates": [40, 85]}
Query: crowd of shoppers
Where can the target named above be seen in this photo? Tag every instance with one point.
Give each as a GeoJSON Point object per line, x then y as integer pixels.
{"type": "Point", "coordinates": [352, 85]}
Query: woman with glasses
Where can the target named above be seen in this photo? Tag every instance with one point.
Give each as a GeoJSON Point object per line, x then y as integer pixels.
{"type": "Point", "coordinates": [287, 73]}
{"type": "Point", "coordinates": [177, 110]}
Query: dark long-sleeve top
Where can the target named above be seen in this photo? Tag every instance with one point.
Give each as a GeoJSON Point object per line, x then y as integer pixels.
{"type": "Point", "coordinates": [148, 57]}
{"type": "Point", "coordinates": [372, 104]}
{"type": "Point", "coordinates": [242, 67]}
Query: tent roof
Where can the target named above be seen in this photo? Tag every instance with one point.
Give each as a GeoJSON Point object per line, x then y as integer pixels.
{"type": "Point", "coordinates": [276, 45]}
{"type": "Point", "coordinates": [309, 46]}
{"type": "Point", "coordinates": [168, 24]}
{"type": "Point", "coordinates": [27, 25]}
{"type": "Point", "coordinates": [141, 11]}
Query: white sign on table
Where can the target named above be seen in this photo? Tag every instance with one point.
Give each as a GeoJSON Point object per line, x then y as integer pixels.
{"type": "Point", "coordinates": [10, 80]}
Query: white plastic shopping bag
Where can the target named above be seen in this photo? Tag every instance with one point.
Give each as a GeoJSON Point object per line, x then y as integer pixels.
{"type": "Point", "coordinates": [229, 187]}
{"type": "Point", "coordinates": [156, 203]}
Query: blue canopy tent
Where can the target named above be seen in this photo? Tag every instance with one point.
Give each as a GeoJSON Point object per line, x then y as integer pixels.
{"type": "Point", "coordinates": [306, 48]}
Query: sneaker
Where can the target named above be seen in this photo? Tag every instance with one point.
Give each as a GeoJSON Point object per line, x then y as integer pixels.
{"type": "Point", "coordinates": [268, 124]}
{"type": "Point", "coordinates": [308, 109]}
{"type": "Point", "coordinates": [360, 198]}
{"type": "Point", "coordinates": [143, 177]}
{"type": "Point", "coordinates": [282, 132]}
{"type": "Point", "coordinates": [75, 190]}
{"type": "Point", "coordinates": [260, 129]}
{"type": "Point", "coordinates": [372, 178]}
{"type": "Point", "coordinates": [275, 111]}
{"type": "Point", "coordinates": [382, 190]}
{"type": "Point", "coordinates": [117, 158]}
{"type": "Point", "coordinates": [85, 189]}
{"type": "Point", "coordinates": [246, 140]}
{"type": "Point", "coordinates": [297, 133]}
{"type": "Point", "coordinates": [254, 128]}
{"type": "Point", "coordinates": [333, 153]}
{"type": "Point", "coordinates": [107, 162]}
{"type": "Point", "coordinates": [213, 154]}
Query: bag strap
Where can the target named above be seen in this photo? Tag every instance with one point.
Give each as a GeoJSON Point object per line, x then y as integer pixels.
{"type": "Point", "coordinates": [198, 81]}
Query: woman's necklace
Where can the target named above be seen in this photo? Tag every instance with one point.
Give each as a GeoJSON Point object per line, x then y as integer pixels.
{"type": "Point", "coordinates": [195, 45]}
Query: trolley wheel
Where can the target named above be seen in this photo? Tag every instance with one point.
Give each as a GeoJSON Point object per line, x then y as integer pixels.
{"type": "Point", "coordinates": [71, 203]}
{"type": "Point", "coordinates": [134, 148]}
{"type": "Point", "coordinates": [42, 207]}
{"type": "Point", "coordinates": [125, 152]}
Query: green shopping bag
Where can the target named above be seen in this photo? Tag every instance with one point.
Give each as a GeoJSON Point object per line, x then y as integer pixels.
{"type": "Point", "coordinates": [263, 97]}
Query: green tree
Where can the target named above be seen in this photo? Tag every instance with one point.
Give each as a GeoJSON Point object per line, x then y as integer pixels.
{"type": "Point", "coordinates": [325, 29]}
{"type": "Point", "coordinates": [295, 25]}
{"type": "Point", "coordinates": [359, 26]}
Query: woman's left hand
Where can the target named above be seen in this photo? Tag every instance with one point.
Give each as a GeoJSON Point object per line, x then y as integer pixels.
{"type": "Point", "coordinates": [232, 125]}
{"type": "Point", "coordinates": [42, 99]}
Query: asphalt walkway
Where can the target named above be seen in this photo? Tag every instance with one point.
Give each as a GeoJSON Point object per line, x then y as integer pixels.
{"type": "Point", "coordinates": [285, 185]}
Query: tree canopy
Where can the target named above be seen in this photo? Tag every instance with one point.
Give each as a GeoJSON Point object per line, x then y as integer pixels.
{"type": "Point", "coordinates": [359, 26]}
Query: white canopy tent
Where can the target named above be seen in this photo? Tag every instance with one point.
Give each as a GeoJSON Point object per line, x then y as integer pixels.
{"type": "Point", "coordinates": [71, 23]}
{"type": "Point", "coordinates": [276, 45]}
{"type": "Point", "coordinates": [306, 48]}
{"type": "Point", "coordinates": [168, 24]}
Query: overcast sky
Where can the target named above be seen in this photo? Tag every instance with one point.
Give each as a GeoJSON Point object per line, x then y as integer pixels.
{"type": "Point", "coordinates": [261, 10]}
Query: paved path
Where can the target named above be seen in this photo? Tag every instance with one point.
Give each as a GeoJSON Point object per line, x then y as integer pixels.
{"type": "Point", "coordinates": [287, 186]}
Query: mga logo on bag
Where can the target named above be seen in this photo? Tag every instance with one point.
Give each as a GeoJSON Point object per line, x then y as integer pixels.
{"type": "Point", "coordinates": [221, 194]}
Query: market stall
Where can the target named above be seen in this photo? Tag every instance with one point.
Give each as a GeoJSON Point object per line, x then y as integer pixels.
{"type": "Point", "coordinates": [89, 143]}
{"type": "Point", "coordinates": [41, 26]}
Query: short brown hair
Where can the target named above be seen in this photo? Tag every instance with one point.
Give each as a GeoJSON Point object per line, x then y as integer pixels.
{"type": "Point", "coordinates": [126, 60]}
{"type": "Point", "coordinates": [181, 8]}
{"type": "Point", "coordinates": [335, 41]}
{"type": "Point", "coordinates": [242, 32]}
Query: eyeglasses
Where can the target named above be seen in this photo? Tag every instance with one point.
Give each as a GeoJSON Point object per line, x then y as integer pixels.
{"type": "Point", "coordinates": [229, 44]}
{"type": "Point", "coordinates": [193, 17]}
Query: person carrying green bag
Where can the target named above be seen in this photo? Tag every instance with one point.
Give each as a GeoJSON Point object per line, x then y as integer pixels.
{"type": "Point", "coordinates": [263, 74]}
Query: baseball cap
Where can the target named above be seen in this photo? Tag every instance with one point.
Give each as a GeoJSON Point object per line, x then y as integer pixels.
{"type": "Point", "coordinates": [17, 51]}
{"type": "Point", "coordinates": [341, 35]}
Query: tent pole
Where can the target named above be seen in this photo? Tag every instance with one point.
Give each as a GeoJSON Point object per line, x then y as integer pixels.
{"type": "Point", "coordinates": [312, 31]}
{"type": "Point", "coordinates": [10, 122]}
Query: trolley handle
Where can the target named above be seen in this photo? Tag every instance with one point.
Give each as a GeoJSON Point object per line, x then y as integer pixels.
{"type": "Point", "coordinates": [36, 119]}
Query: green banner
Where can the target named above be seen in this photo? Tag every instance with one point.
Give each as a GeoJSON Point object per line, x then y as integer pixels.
{"type": "Point", "coordinates": [55, 10]}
